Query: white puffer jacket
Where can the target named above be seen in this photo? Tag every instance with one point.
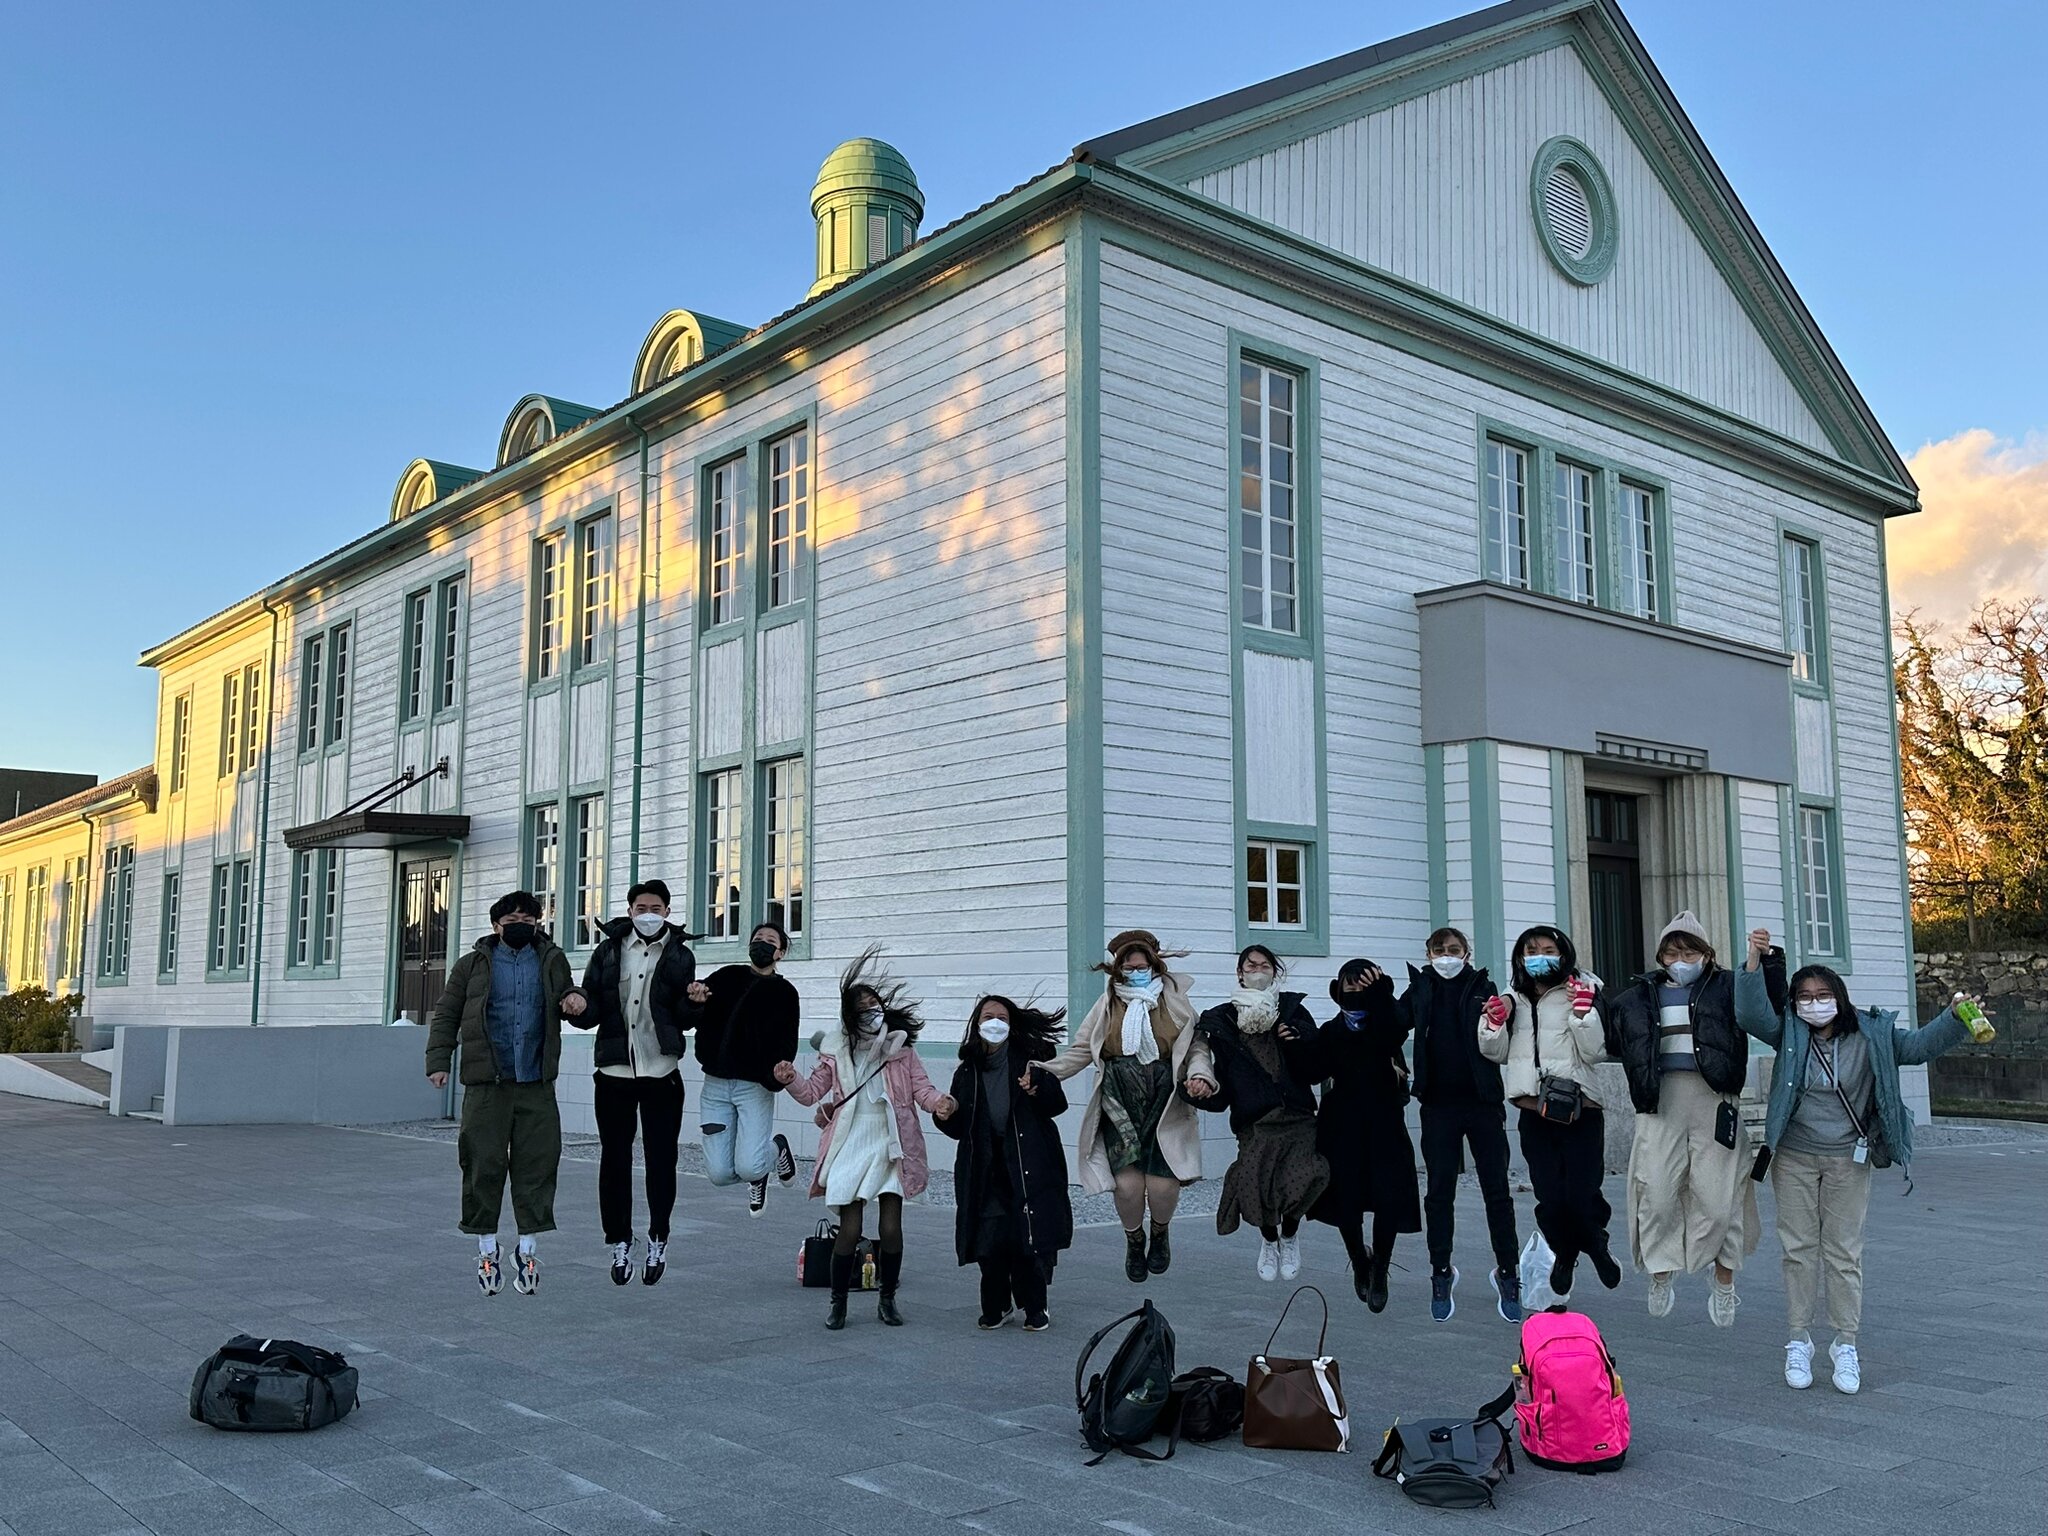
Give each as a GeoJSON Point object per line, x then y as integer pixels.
{"type": "Point", "coordinates": [1570, 1044]}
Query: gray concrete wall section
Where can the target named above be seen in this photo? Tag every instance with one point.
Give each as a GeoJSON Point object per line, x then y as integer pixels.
{"type": "Point", "coordinates": [138, 1069]}
{"type": "Point", "coordinates": [322, 1074]}
{"type": "Point", "coordinates": [1504, 665]}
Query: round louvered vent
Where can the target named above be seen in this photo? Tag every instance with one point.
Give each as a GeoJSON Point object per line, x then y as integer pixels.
{"type": "Point", "coordinates": [1569, 210]}
{"type": "Point", "coordinates": [1574, 210]}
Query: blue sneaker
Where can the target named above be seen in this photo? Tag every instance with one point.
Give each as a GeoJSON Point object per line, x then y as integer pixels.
{"type": "Point", "coordinates": [1441, 1283]}
{"type": "Point", "coordinates": [1507, 1288]}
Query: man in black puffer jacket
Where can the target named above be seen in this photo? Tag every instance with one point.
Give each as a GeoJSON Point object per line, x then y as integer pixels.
{"type": "Point", "coordinates": [638, 983]}
{"type": "Point", "coordinates": [1689, 1202]}
{"type": "Point", "coordinates": [1463, 1105]}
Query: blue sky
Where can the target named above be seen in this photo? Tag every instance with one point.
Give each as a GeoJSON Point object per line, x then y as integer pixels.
{"type": "Point", "coordinates": [254, 258]}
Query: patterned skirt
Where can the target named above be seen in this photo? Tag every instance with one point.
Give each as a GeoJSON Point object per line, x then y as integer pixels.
{"type": "Point", "coordinates": [1134, 1096]}
{"type": "Point", "coordinates": [1278, 1174]}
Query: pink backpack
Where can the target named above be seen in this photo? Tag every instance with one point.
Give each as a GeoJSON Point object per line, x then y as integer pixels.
{"type": "Point", "coordinates": [1568, 1398]}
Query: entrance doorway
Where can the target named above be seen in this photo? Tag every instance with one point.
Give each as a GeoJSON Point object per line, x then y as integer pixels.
{"type": "Point", "coordinates": [1614, 865]}
{"type": "Point", "coordinates": [423, 891]}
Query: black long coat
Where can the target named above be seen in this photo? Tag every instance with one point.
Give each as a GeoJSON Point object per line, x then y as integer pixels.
{"type": "Point", "coordinates": [1361, 1128]}
{"type": "Point", "coordinates": [1030, 1159]}
{"type": "Point", "coordinates": [1243, 1086]}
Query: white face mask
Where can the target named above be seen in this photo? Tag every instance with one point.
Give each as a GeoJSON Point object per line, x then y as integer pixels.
{"type": "Point", "coordinates": [1447, 966]}
{"type": "Point", "coordinates": [1817, 1010]}
{"type": "Point", "coordinates": [1685, 972]}
{"type": "Point", "coordinates": [994, 1031]}
{"type": "Point", "coordinates": [648, 924]}
{"type": "Point", "coordinates": [871, 1017]}
{"type": "Point", "coordinates": [1258, 981]}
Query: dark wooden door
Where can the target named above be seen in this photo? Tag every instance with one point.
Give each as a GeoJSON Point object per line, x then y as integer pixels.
{"type": "Point", "coordinates": [1615, 883]}
{"type": "Point", "coordinates": [423, 891]}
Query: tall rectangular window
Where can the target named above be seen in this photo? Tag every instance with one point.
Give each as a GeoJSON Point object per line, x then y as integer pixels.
{"type": "Point", "coordinates": [448, 652]}
{"type": "Point", "coordinates": [789, 516]}
{"type": "Point", "coordinates": [77, 897]}
{"type": "Point", "coordinates": [35, 926]}
{"type": "Point", "coordinates": [316, 908]}
{"type": "Point", "coordinates": [304, 872]}
{"type": "Point", "coordinates": [594, 550]}
{"type": "Point", "coordinates": [334, 725]}
{"type": "Point", "coordinates": [1818, 898]}
{"type": "Point", "coordinates": [588, 820]}
{"type": "Point", "coordinates": [550, 606]}
{"type": "Point", "coordinates": [181, 741]}
{"type": "Point", "coordinates": [1267, 481]}
{"type": "Point", "coordinates": [1802, 615]}
{"type": "Point", "coordinates": [722, 504]}
{"type": "Point", "coordinates": [1572, 526]}
{"type": "Point", "coordinates": [219, 917]}
{"type": "Point", "coordinates": [1507, 513]}
{"type": "Point", "coordinates": [312, 678]}
{"type": "Point", "coordinates": [412, 689]}
{"type": "Point", "coordinates": [230, 723]}
{"type": "Point", "coordinates": [117, 910]}
{"type": "Point", "coordinates": [724, 837]}
{"type": "Point", "coordinates": [544, 858]}
{"type": "Point", "coordinates": [252, 714]}
{"type": "Point", "coordinates": [245, 916]}
{"type": "Point", "coordinates": [1636, 579]}
{"type": "Point", "coordinates": [782, 809]}
{"type": "Point", "coordinates": [1275, 885]}
{"type": "Point", "coordinates": [6, 928]}
{"type": "Point", "coordinates": [167, 935]}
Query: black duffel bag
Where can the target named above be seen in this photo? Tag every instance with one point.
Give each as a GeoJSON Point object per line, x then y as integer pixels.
{"type": "Point", "coordinates": [266, 1384]}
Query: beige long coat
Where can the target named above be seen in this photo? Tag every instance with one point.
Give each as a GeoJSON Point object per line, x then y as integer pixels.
{"type": "Point", "coordinates": [1180, 1131]}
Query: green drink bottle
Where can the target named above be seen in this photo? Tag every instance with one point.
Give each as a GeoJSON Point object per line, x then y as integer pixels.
{"type": "Point", "coordinates": [1972, 1014]}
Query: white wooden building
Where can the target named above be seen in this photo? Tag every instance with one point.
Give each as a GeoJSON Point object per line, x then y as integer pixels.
{"type": "Point", "coordinates": [1406, 490]}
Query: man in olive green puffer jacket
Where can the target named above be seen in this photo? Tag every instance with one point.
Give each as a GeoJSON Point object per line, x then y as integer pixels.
{"type": "Point", "coordinates": [504, 1002]}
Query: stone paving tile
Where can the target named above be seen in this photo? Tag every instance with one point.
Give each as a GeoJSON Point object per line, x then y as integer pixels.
{"type": "Point", "coordinates": [716, 1402]}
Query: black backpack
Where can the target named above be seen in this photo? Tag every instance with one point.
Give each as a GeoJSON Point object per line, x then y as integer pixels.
{"type": "Point", "coordinates": [1121, 1407]}
{"type": "Point", "coordinates": [1208, 1404]}
{"type": "Point", "coordinates": [1449, 1463]}
{"type": "Point", "coordinates": [267, 1384]}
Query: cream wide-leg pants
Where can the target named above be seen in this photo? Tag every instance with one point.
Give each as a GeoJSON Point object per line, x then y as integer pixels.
{"type": "Point", "coordinates": [1691, 1202]}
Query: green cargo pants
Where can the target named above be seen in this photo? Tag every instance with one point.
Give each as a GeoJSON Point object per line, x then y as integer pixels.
{"type": "Point", "coordinates": [510, 1128]}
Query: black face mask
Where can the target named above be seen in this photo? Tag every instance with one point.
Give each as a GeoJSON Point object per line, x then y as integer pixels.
{"type": "Point", "coordinates": [762, 953]}
{"type": "Point", "coordinates": [1353, 1002]}
{"type": "Point", "coordinates": [518, 935]}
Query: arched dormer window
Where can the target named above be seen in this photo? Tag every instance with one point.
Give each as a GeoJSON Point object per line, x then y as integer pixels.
{"type": "Point", "coordinates": [533, 430]}
{"type": "Point", "coordinates": [680, 340]}
{"type": "Point", "coordinates": [538, 420]}
{"type": "Point", "coordinates": [425, 482]}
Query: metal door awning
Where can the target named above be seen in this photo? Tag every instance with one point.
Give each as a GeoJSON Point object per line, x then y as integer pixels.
{"type": "Point", "coordinates": [362, 825]}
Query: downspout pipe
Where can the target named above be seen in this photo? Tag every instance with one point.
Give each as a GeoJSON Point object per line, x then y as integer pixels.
{"type": "Point", "coordinates": [86, 973]}
{"type": "Point", "coordinates": [263, 827]}
{"type": "Point", "coordinates": [647, 515]}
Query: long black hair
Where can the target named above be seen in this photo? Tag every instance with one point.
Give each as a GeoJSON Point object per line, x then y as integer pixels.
{"type": "Point", "coordinates": [1035, 1034]}
{"type": "Point", "coordinates": [1845, 1011]}
{"type": "Point", "coordinates": [865, 978]}
{"type": "Point", "coordinates": [1567, 959]}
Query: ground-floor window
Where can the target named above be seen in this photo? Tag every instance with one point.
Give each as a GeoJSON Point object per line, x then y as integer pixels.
{"type": "Point", "coordinates": [724, 839]}
{"type": "Point", "coordinates": [782, 806]}
{"type": "Point", "coordinates": [1819, 885]}
{"type": "Point", "coordinates": [316, 908]}
{"type": "Point", "coordinates": [590, 893]}
{"type": "Point", "coordinates": [167, 939]}
{"type": "Point", "coordinates": [1275, 884]}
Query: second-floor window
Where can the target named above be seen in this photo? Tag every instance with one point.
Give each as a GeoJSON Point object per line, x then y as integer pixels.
{"type": "Point", "coordinates": [1802, 609]}
{"type": "Point", "coordinates": [594, 550]}
{"type": "Point", "coordinates": [323, 683]}
{"type": "Point", "coordinates": [722, 505]}
{"type": "Point", "coordinates": [1268, 481]}
{"type": "Point", "coordinates": [550, 606]}
{"type": "Point", "coordinates": [1507, 513]}
{"type": "Point", "coordinates": [412, 692]}
{"type": "Point", "coordinates": [230, 724]}
{"type": "Point", "coordinates": [448, 646]}
{"type": "Point", "coordinates": [1572, 524]}
{"type": "Point", "coordinates": [181, 741]}
{"type": "Point", "coordinates": [1636, 576]}
{"type": "Point", "coordinates": [789, 516]}
{"type": "Point", "coordinates": [117, 911]}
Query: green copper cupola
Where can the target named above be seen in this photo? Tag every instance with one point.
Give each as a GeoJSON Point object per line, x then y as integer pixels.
{"type": "Point", "coordinates": [867, 204]}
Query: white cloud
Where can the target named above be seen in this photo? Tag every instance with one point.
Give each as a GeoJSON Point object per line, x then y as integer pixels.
{"type": "Point", "coordinates": [1984, 532]}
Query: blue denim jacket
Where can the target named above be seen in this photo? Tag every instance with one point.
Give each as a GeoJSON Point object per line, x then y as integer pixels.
{"type": "Point", "coordinates": [515, 1014]}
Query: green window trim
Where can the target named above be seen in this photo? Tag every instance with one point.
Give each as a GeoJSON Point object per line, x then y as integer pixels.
{"type": "Point", "coordinates": [117, 914]}
{"type": "Point", "coordinates": [1312, 938]}
{"type": "Point", "coordinates": [1545, 455]}
{"type": "Point", "coordinates": [170, 915]}
{"type": "Point", "coordinates": [178, 749]}
{"type": "Point", "coordinates": [1821, 680]}
{"type": "Point", "coordinates": [1567, 155]}
{"type": "Point", "coordinates": [335, 641]}
{"type": "Point", "coordinates": [1840, 953]}
{"type": "Point", "coordinates": [230, 919]}
{"type": "Point", "coordinates": [1837, 950]}
{"type": "Point", "coordinates": [313, 923]}
{"type": "Point", "coordinates": [748, 458]}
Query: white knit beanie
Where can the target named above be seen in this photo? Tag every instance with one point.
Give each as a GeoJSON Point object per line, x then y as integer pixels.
{"type": "Point", "coordinates": [1689, 925]}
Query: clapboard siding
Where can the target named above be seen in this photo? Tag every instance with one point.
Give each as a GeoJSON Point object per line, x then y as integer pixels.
{"type": "Point", "coordinates": [1763, 859]}
{"type": "Point", "coordinates": [1528, 857]}
{"type": "Point", "coordinates": [1436, 189]}
{"type": "Point", "coordinates": [1399, 516]}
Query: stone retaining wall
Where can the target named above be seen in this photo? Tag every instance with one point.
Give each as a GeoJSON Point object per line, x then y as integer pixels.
{"type": "Point", "coordinates": [2013, 1069]}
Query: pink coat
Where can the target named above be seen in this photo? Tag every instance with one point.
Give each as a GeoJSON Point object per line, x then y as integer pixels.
{"type": "Point", "coordinates": [909, 1091]}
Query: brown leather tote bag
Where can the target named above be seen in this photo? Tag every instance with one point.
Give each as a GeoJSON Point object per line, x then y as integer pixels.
{"type": "Point", "coordinates": [1296, 1405]}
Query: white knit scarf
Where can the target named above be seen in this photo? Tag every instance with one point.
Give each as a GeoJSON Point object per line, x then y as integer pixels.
{"type": "Point", "coordinates": [1138, 1039]}
{"type": "Point", "coordinates": [1257, 1011]}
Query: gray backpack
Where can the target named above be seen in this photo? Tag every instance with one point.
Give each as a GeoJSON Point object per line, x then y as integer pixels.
{"type": "Point", "coordinates": [271, 1384]}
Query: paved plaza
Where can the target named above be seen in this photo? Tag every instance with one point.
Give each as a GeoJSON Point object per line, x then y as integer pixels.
{"type": "Point", "coordinates": [716, 1402]}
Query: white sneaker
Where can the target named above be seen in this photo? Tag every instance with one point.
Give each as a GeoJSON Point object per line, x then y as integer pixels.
{"type": "Point", "coordinates": [1269, 1260]}
{"type": "Point", "coordinates": [1663, 1295]}
{"type": "Point", "coordinates": [1848, 1369]}
{"type": "Point", "coordinates": [1799, 1364]}
{"type": "Point", "coordinates": [1290, 1257]}
{"type": "Point", "coordinates": [1721, 1304]}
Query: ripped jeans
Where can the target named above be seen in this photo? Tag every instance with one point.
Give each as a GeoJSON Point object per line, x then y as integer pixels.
{"type": "Point", "coordinates": [738, 1121]}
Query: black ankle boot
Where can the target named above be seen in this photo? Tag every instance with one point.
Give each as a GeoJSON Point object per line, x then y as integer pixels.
{"type": "Point", "coordinates": [1605, 1267]}
{"type": "Point", "coordinates": [1134, 1256]}
{"type": "Point", "coordinates": [842, 1282]}
{"type": "Point", "coordinates": [1376, 1281]}
{"type": "Point", "coordinates": [888, 1270]}
{"type": "Point", "coordinates": [1360, 1254]}
{"type": "Point", "coordinates": [1561, 1275]}
{"type": "Point", "coordinates": [1161, 1256]}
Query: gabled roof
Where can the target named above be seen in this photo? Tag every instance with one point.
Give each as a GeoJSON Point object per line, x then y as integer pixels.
{"type": "Point", "coordinates": [1170, 146]}
{"type": "Point", "coordinates": [139, 783]}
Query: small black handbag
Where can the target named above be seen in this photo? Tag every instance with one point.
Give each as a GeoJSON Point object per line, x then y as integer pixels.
{"type": "Point", "coordinates": [814, 1260]}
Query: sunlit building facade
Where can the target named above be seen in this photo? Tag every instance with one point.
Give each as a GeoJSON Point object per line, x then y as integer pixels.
{"type": "Point", "coordinates": [1404, 491]}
